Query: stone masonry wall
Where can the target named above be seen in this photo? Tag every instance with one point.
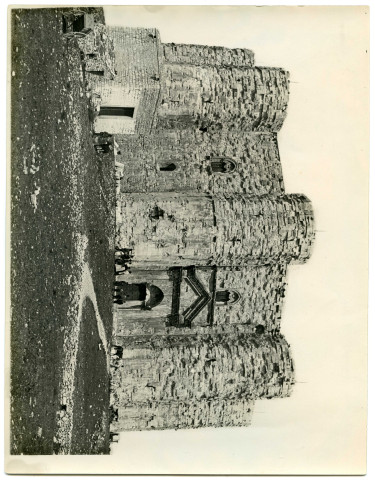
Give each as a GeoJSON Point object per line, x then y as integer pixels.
{"type": "Point", "coordinates": [145, 331]}
{"type": "Point", "coordinates": [179, 229]}
{"type": "Point", "coordinates": [257, 157]}
{"type": "Point", "coordinates": [207, 55]}
{"type": "Point", "coordinates": [262, 291]}
{"type": "Point", "coordinates": [169, 229]}
{"type": "Point", "coordinates": [193, 367]}
{"type": "Point", "coordinates": [264, 229]}
{"type": "Point", "coordinates": [137, 55]}
{"type": "Point", "coordinates": [98, 50]}
{"type": "Point", "coordinates": [137, 80]}
{"type": "Point", "coordinates": [250, 99]}
{"type": "Point", "coordinates": [177, 415]}
{"type": "Point", "coordinates": [195, 105]}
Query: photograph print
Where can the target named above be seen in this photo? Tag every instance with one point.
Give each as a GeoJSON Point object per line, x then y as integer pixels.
{"type": "Point", "coordinates": [170, 272]}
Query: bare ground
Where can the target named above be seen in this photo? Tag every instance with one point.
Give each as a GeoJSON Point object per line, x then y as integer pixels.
{"type": "Point", "coordinates": [62, 191]}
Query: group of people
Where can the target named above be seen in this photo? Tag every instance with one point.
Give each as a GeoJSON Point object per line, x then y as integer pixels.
{"type": "Point", "coordinates": [105, 143]}
{"type": "Point", "coordinates": [123, 259]}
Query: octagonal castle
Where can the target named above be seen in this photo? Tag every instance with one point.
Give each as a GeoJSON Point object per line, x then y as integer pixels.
{"type": "Point", "coordinates": [203, 208]}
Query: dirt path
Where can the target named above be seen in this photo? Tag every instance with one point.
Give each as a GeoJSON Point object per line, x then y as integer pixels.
{"type": "Point", "coordinates": [62, 193]}
{"type": "Point", "coordinates": [69, 397]}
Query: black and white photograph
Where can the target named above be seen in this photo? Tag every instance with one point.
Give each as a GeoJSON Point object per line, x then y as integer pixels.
{"type": "Point", "coordinates": [187, 224]}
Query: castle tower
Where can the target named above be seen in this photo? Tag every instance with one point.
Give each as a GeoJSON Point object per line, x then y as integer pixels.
{"type": "Point", "coordinates": [225, 370]}
{"type": "Point", "coordinates": [170, 229]}
{"type": "Point", "coordinates": [212, 98]}
{"type": "Point", "coordinates": [157, 86]}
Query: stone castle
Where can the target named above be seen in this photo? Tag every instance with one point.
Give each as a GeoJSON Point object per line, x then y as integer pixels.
{"type": "Point", "coordinates": [203, 210]}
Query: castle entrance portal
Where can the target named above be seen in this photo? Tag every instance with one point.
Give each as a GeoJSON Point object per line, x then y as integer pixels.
{"type": "Point", "coordinates": [138, 295]}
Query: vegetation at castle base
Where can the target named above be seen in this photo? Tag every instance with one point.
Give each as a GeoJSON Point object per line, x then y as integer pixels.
{"type": "Point", "coordinates": [62, 192]}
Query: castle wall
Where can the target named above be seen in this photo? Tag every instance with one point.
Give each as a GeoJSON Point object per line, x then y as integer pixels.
{"type": "Point", "coordinates": [193, 367]}
{"type": "Point", "coordinates": [193, 359]}
{"type": "Point", "coordinates": [169, 229]}
{"type": "Point", "coordinates": [164, 415]}
{"type": "Point", "coordinates": [262, 292]}
{"type": "Point", "coordinates": [261, 289]}
{"type": "Point", "coordinates": [174, 229]}
{"type": "Point", "coordinates": [266, 228]}
{"type": "Point", "coordinates": [248, 99]}
{"type": "Point", "coordinates": [207, 55]}
{"type": "Point", "coordinates": [114, 96]}
{"type": "Point", "coordinates": [191, 152]}
{"type": "Point", "coordinates": [98, 49]}
{"type": "Point", "coordinates": [137, 80]}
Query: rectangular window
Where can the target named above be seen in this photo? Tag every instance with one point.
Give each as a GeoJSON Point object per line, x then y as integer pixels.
{"type": "Point", "coordinates": [79, 24]}
{"type": "Point", "coordinates": [117, 111]}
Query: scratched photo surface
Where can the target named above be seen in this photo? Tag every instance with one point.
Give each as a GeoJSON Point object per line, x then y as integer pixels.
{"type": "Point", "coordinates": [155, 229]}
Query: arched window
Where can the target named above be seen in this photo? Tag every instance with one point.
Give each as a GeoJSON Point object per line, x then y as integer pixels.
{"type": "Point", "coordinates": [168, 167]}
{"type": "Point", "coordinates": [223, 165]}
{"type": "Point", "coordinates": [226, 297]}
{"type": "Point", "coordinates": [154, 296]}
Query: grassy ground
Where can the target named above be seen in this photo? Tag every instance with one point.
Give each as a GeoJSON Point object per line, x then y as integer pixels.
{"type": "Point", "coordinates": [62, 192]}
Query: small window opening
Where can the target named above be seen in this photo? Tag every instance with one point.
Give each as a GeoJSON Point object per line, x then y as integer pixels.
{"type": "Point", "coordinates": [223, 165]}
{"type": "Point", "coordinates": [226, 297]}
{"type": "Point", "coordinates": [156, 213]}
{"type": "Point", "coordinates": [79, 24]}
{"type": "Point", "coordinates": [99, 73]}
{"type": "Point", "coordinates": [259, 329]}
{"type": "Point", "coordinates": [168, 168]}
{"type": "Point", "coordinates": [117, 111]}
